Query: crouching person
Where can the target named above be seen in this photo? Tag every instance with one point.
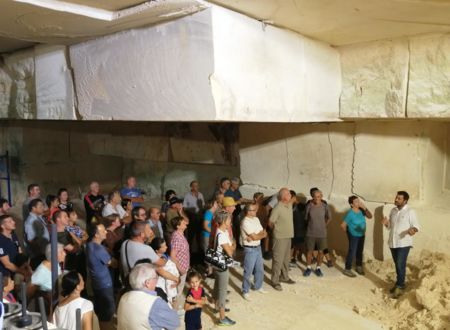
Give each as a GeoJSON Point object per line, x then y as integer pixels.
{"type": "Point", "coordinates": [141, 308]}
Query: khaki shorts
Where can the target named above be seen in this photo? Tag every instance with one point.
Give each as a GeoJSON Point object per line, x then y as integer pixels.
{"type": "Point", "coordinates": [316, 243]}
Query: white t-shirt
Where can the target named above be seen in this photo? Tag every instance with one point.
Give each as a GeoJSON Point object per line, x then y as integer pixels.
{"type": "Point", "coordinates": [109, 209]}
{"type": "Point", "coordinates": [250, 226]}
{"type": "Point", "coordinates": [222, 238]}
{"type": "Point", "coordinates": [65, 316]}
{"type": "Point", "coordinates": [166, 285]}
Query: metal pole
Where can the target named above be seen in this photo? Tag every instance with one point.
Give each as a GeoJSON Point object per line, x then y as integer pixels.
{"type": "Point", "coordinates": [54, 263]}
{"type": "Point", "coordinates": [78, 319]}
{"type": "Point", "coordinates": [43, 313]}
{"type": "Point", "coordinates": [9, 179]}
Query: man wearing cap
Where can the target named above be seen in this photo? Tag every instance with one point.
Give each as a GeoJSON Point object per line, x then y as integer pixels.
{"type": "Point", "coordinates": [175, 210]}
{"type": "Point", "coordinates": [281, 220]}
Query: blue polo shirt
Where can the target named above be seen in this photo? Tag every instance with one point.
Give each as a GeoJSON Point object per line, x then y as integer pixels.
{"type": "Point", "coordinates": [97, 260]}
{"type": "Point", "coordinates": [356, 223]}
{"type": "Point", "coordinates": [8, 247]}
{"type": "Point", "coordinates": [131, 193]}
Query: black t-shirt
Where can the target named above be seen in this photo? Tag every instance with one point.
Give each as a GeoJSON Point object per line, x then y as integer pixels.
{"type": "Point", "coordinates": [92, 202]}
{"type": "Point", "coordinates": [299, 220]}
{"type": "Point", "coordinates": [8, 247]}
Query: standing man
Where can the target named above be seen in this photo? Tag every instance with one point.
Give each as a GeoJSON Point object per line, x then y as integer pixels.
{"type": "Point", "coordinates": [98, 261]}
{"type": "Point", "coordinates": [131, 192]}
{"type": "Point", "coordinates": [141, 308]}
{"type": "Point", "coordinates": [281, 220]}
{"type": "Point", "coordinates": [402, 225]}
{"type": "Point", "coordinates": [4, 206]}
{"type": "Point", "coordinates": [34, 192]}
{"type": "Point", "coordinates": [317, 216]}
{"type": "Point", "coordinates": [155, 222]}
{"type": "Point", "coordinates": [36, 235]}
{"type": "Point", "coordinates": [92, 201]}
{"type": "Point", "coordinates": [193, 201]}
{"type": "Point", "coordinates": [9, 247]}
{"type": "Point", "coordinates": [251, 234]}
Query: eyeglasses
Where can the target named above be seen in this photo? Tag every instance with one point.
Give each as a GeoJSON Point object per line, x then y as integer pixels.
{"type": "Point", "coordinates": [251, 210]}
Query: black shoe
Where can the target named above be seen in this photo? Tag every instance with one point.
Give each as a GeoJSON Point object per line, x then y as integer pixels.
{"type": "Point", "coordinates": [360, 270]}
{"type": "Point", "coordinates": [278, 287]}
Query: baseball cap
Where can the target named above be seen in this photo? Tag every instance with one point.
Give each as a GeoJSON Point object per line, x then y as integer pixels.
{"type": "Point", "coordinates": [228, 201]}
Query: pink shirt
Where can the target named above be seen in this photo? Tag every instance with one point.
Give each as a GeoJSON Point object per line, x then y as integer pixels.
{"type": "Point", "coordinates": [180, 244]}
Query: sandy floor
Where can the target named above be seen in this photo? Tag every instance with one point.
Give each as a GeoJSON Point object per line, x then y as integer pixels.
{"type": "Point", "coordinates": [339, 302]}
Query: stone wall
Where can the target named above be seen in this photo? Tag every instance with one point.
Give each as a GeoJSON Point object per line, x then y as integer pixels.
{"type": "Point", "coordinates": [162, 156]}
{"type": "Point", "coordinates": [406, 77]}
{"type": "Point", "coordinates": [370, 159]}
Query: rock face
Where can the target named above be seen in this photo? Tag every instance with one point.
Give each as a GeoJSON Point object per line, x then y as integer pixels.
{"type": "Point", "coordinates": [374, 79]}
{"type": "Point", "coordinates": [54, 84]}
{"type": "Point", "coordinates": [429, 78]}
{"type": "Point", "coordinates": [17, 82]}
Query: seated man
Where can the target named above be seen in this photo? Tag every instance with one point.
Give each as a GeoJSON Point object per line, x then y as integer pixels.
{"type": "Point", "coordinates": [141, 308]}
{"type": "Point", "coordinates": [131, 192]}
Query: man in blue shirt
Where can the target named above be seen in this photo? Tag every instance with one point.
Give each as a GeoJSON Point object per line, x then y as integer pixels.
{"type": "Point", "coordinates": [131, 192]}
{"type": "Point", "coordinates": [98, 261]}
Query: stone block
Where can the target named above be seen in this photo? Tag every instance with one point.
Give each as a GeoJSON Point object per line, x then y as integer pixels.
{"type": "Point", "coordinates": [374, 79]}
{"type": "Point", "coordinates": [264, 73]}
{"type": "Point", "coordinates": [156, 73]}
{"type": "Point", "coordinates": [429, 77]}
{"type": "Point", "coordinates": [54, 85]}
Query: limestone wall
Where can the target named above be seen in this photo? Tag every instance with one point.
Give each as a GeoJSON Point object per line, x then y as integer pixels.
{"type": "Point", "coordinates": [71, 154]}
{"type": "Point", "coordinates": [370, 159]}
{"type": "Point", "coordinates": [406, 77]}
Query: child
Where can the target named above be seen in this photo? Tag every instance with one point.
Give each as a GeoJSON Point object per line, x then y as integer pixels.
{"type": "Point", "coordinates": [195, 299]}
{"type": "Point", "coordinates": [8, 286]}
{"type": "Point", "coordinates": [168, 286]}
{"type": "Point", "coordinates": [80, 235]}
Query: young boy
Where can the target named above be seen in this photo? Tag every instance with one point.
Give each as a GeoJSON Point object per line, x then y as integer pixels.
{"type": "Point", "coordinates": [195, 299]}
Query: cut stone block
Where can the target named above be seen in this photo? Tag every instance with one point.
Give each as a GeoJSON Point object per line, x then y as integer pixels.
{"type": "Point", "coordinates": [429, 78]}
{"type": "Point", "coordinates": [374, 79]}
{"type": "Point", "coordinates": [54, 86]}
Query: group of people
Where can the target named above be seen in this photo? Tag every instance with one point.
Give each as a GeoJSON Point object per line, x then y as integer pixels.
{"type": "Point", "coordinates": [138, 265]}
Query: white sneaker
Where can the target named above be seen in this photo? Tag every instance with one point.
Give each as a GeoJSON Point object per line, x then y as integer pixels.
{"type": "Point", "coordinates": [261, 290]}
{"type": "Point", "coordinates": [246, 296]}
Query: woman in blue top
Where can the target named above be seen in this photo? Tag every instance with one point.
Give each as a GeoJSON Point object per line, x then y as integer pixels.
{"type": "Point", "coordinates": [355, 226]}
{"type": "Point", "coordinates": [211, 208]}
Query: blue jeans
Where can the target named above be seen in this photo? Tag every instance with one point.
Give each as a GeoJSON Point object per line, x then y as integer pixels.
{"type": "Point", "coordinates": [253, 264]}
{"type": "Point", "coordinates": [355, 249]}
{"type": "Point", "coordinates": [400, 255]}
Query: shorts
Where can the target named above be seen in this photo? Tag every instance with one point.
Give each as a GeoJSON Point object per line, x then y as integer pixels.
{"type": "Point", "coordinates": [319, 243]}
{"type": "Point", "coordinates": [104, 305]}
{"type": "Point", "coordinates": [297, 241]}
{"type": "Point", "coordinates": [193, 319]}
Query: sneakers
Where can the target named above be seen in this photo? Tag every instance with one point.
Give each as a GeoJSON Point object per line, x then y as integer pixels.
{"type": "Point", "coordinates": [392, 289]}
{"type": "Point", "coordinates": [289, 281]}
{"type": "Point", "coordinates": [262, 291]}
{"type": "Point", "coordinates": [307, 272]}
{"type": "Point", "coordinates": [318, 272]}
{"type": "Point", "coordinates": [360, 270]}
{"type": "Point", "coordinates": [226, 322]}
{"type": "Point", "coordinates": [349, 273]}
{"type": "Point", "coordinates": [246, 296]}
{"type": "Point", "coordinates": [278, 287]}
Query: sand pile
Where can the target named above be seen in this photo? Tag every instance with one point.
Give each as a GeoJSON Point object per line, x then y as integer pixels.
{"type": "Point", "coordinates": [426, 302]}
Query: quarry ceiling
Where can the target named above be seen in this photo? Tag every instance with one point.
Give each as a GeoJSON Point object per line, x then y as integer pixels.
{"type": "Point", "coordinates": [27, 22]}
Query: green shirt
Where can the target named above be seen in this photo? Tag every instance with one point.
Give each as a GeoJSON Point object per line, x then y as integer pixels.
{"type": "Point", "coordinates": [282, 218]}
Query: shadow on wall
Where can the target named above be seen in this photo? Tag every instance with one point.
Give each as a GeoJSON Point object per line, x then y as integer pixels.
{"type": "Point", "coordinates": [337, 238]}
{"type": "Point", "coordinates": [378, 240]}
